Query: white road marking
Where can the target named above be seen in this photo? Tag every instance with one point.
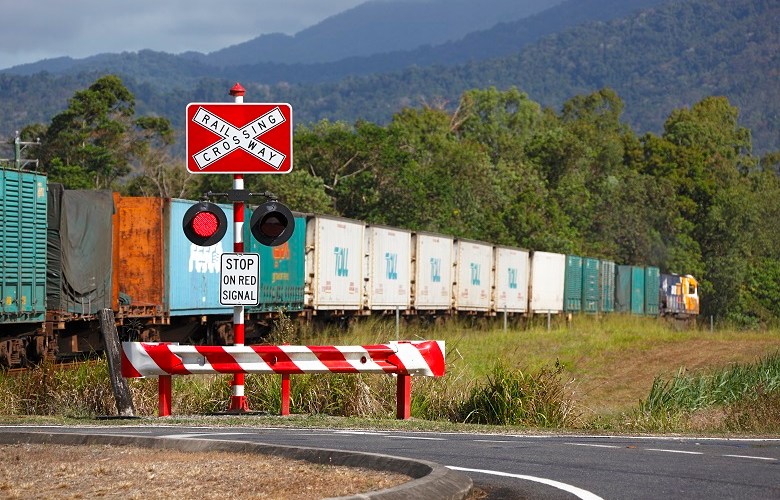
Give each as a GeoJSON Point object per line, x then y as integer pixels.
{"type": "Point", "coordinates": [595, 445]}
{"type": "Point", "coordinates": [675, 451]}
{"type": "Point", "coordinates": [578, 492]}
{"type": "Point", "coordinates": [768, 459]}
{"type": "Point", "coordinates": [201, 434]}
{"type": "Point", "coordinates": [493, 441]}
{"type": "Point", "coordinates": [418, 437]}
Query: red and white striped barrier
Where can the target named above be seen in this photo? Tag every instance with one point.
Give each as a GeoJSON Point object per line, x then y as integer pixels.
{"type": "Point", "coordinates": [405, 359]}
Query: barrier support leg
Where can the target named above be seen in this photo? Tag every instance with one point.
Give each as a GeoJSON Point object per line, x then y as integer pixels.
{"type": "Point", "coordinates": [404, 397]}
{"type": "Point", "coordinates": [285, 394]}
{"type": "Point", "coordinates": [164, 396]}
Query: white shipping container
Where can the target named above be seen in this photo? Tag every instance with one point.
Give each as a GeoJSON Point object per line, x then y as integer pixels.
{"type": "Point", "coordinates": [473, 275]}
{"type": "Point", "coordinates": [432, 257]}
{"type": "Point", "coordinates": [334, 263]}
{"type": "Point", "coordinates": [388, 268]}
{"type": "Point", "coordinates": [548, 271]}
{"type": "Point", "coordinates": [511, 278]}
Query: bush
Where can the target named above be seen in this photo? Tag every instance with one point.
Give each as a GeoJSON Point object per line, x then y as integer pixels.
{"type": "Point", "coordinates": [511, 397]}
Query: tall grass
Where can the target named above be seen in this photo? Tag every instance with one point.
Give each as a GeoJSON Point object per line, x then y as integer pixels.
{"type": "Point", "coordinates": [741, 397]}
{"type": "Point", "coordinates": [690, 392]}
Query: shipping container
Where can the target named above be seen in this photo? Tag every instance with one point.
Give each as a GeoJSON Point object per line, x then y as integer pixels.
{"type": "Point", "coordinates": [623, 289]}
{"type": "Point", "coordinates": [652, 288]}
{"type": "Point", "coordinates": [282, 269]}
{"type": "Point", "coordinates": [334, 263]}
{"type": "Point", "coordinates": [548, 274]}
{"type": "Point", "coordinates": [607, 286]}
{"type": "Point", "coordinates": [23, 210]}
{"type": "Point", "coordinates": [590, 285]}
{"type": "Point", "coordinates": [192, 272]}
{"type": "Point", "coordinates": [473, 267]}
{"type": "Point", "coordinates": [637, 290]}
{"type": "Point", "coordinates": [572, 293]}
{"type": "Point", "coordinates": [79, 252]}
{"type": "Point", "coordinates": [139, 258]}
{"type": "Point", "coordinates": [512, 269]}
{"type": "Point", "coordinates": [432, 261]}
{"type": "Point", "coordinates": [388, 268]}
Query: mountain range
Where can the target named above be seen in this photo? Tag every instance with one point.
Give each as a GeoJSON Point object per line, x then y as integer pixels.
{"type": "Point", "coordinates": [657, 55]}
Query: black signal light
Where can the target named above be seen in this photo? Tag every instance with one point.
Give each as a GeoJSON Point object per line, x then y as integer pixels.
{"type": "Point", "coordinates": [272, 223]}
{"type": "Point", "coordinates": [204, 224]}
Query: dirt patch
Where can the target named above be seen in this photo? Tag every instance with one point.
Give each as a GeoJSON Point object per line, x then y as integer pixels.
{"type": "Point", "coordinates": [622, 378]}
{"type": "Point", "coordinates": [32, 471]}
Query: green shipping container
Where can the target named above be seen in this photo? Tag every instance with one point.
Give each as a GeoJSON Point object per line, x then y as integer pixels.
{"type": "Point", "coordinates": [281, 269]}
{"type": "Point", "coordinates": [572, 293]}
{"type": "Point", "coordinates": [590, 285]}
{"type": "Point", "coordinates": [652, 286]}
{"type": "Point", "coordinates": [607, 286]}
{"type": "Point", "coordinates": [22, 247]}
{"type": "Point", "coordinates": [623, 289]}
{"type": "Point", "coordinates": [637, 290]}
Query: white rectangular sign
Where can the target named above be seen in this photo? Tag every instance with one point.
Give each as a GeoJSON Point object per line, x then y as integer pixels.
{"type": "Point", "coordinates": [239, 282]}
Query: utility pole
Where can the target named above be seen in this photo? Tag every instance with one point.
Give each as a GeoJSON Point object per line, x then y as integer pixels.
{"type": "Point", "coordinates": [18, 162]}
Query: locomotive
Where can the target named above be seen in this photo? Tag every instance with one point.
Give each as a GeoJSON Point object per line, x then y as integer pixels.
{"type": "Point", "coordinates": [67, 254]}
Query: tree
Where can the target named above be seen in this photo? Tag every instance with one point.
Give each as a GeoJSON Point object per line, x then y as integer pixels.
{"type": "Point", "coordinates": [97, 138]}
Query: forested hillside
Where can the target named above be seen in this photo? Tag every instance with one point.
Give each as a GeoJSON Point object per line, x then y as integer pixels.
{"type": "Point", "coordinates": [666, 57]}
{"type": "Point", "coordinates": [499, 168]}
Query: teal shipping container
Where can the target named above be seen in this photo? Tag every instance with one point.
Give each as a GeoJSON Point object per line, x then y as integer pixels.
{"type": "Point", "coordinates": [22, 246]}
{"type": "Point", "coordinates": [652, 287]}
{"type": "Point", "coordinates": [281, 269]}
{"type": "Point", "coordinates": [572, 292]}
{"type": "Point", "coordinates": [607, 286]}
{"type": "Point", "coordinates": [192, 272]}
{"type": "Point", "coordinates": [637, 290]}
{"type": "Point", "coordinates": [590, 285]}
{"type": "Point", "coordinates": [623, 289]}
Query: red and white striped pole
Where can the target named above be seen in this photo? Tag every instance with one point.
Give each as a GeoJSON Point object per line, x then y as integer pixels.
{"type": "Point", "coordinates": [237, 399]}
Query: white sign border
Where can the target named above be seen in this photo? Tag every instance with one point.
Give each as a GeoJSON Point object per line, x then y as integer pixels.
{"type": "Point", "coordinates": [222, 282]}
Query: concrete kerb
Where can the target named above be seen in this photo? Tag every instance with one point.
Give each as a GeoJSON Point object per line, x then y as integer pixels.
{"type": "Point", "coordinates": [429, 480]}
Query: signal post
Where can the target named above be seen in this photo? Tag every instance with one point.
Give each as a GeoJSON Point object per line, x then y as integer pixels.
{"type": "Point", "coordinates": [238, 139]}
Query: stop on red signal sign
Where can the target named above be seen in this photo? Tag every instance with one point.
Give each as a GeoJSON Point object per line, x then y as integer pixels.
{"type": "Point", "coordinates": [239, 138]}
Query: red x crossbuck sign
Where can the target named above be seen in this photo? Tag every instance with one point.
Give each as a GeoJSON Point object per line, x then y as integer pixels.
{"type": "Point", "coordinates": [239, 138]}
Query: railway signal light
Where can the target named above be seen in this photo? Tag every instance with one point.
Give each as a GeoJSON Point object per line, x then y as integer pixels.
{"type": "Point", "coordinates": [272, 223]}
{"type": "Point", "coordinates": [204, 224]}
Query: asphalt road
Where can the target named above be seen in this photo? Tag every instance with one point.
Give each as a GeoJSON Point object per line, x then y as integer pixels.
{"type": "Point", "coordinates": [539, 466]}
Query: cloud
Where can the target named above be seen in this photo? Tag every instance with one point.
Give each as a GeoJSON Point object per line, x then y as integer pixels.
{"type": "Point", "coordinates": [38, 29]}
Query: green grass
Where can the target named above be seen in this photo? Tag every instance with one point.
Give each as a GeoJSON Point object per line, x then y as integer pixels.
{"type": "Point", "coordinates": [609, 374]}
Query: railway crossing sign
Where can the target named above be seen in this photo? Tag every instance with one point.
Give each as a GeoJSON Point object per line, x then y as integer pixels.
{"type": "Point", "coordinates": [238, 280]}
{"type": "Point", "coordinates": [239, 138]}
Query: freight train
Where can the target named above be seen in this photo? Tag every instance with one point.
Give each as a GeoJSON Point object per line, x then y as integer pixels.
{"type": "Point", "coordinates": [67, 254]}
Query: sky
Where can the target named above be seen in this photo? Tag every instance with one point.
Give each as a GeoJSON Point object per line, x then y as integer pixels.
{"type": "Point", "coordinates": [31, 30]}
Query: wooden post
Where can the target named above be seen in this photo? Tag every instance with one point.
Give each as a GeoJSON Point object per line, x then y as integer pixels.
{"type": "Point", "coordinates": [124, 400]}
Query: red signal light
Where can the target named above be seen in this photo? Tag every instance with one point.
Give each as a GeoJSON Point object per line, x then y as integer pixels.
{"type": "Point", "coordinates": [204, 224]}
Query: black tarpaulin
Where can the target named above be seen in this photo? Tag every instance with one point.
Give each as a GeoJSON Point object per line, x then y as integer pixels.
{"type": "Point", "coordinates": [82, 245]}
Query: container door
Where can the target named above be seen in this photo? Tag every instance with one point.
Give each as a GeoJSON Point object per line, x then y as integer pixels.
{"type": "Point", "coordinates": [433, 272]}
{"type": "Point", "coordinates": [474, 263]}
{"type": "Point", "coordinates": [623, 289]}
{"type": "Point", "coordinates": [590, 285]}
{"type": "Point", "coordinates": [389, 268]}
{"type": "Point", "coordinates": [572, 299]}
{"type": "Point", "coordinates": [337, 263]}
{"type": "Point", "coordinates": [637, 290]}
{"type": "Point", "coordinates": [652, 288]}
